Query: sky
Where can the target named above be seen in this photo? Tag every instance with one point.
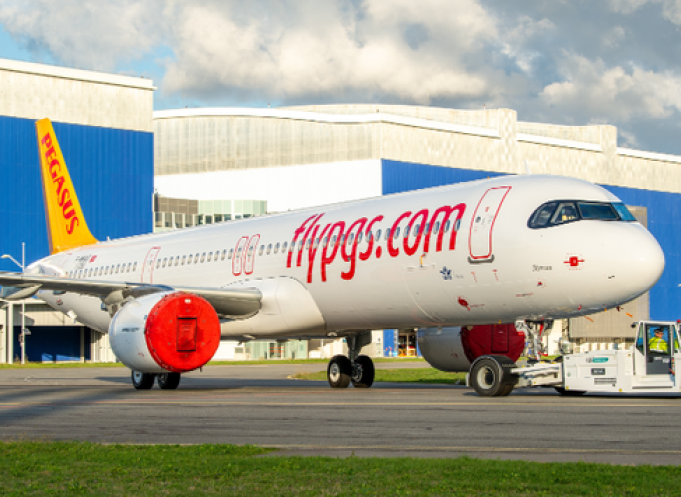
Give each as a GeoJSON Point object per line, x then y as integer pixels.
{"type": "Point", "coordinates": [568, 62]}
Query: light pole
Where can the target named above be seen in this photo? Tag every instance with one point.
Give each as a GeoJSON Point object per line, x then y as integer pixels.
{"type": "Point", "coordinates": [23, 305]}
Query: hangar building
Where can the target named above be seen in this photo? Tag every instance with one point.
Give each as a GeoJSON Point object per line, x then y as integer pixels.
{"type": "Point", "coordinates": [105, 128]}
{"type": "Point", "coordinates": [298, 157]}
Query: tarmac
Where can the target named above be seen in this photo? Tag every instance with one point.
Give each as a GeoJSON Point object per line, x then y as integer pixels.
{"type": "Point", "coordinates": [261, 405]}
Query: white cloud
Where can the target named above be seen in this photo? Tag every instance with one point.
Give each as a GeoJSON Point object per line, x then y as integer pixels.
{"type": "Point", "coordinates": [88, 34]}
{"type": "Point", "coordinates": [592, 89]}
{"type": "Point", "coordinates": [401, 50]}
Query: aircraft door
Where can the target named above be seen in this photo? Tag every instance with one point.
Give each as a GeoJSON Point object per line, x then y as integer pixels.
{"type": "Point", "coordinates": [148, 265]}
{"type": "Point", "coordinates": [239, 256]}
{"type": "Point", "coordinates": [654, 342]}
{"type": "Point", "coordinates": [250, 254]}
{"type": "Point", "coordinates": [484, 217]}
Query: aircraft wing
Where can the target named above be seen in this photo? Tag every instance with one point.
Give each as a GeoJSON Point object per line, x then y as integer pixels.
{"type": "Point", "coordinates": [233, 302]}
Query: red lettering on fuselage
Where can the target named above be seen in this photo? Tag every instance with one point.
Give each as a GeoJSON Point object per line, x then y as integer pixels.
{"type": "Point", "coordinates": [334, 237]}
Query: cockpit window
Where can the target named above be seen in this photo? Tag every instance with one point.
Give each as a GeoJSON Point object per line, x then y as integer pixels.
{"type": "Point", "coordinates": [623, 212]}
{"type": "Point", "coordinates": [567, 211]}
{"type": "Point", "coordinates": [543, 215]}
{"type": "Point", "coordinates": [590, 210]}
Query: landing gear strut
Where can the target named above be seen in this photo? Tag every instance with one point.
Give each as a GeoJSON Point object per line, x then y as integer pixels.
{"type": "Point", "coordinates": [358, 370]}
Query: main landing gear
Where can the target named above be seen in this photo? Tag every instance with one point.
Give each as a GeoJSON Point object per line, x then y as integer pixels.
{"type": "Point", "coordinates": [358, 370]}
{"type": "Point", "coordinates": [144, 381]}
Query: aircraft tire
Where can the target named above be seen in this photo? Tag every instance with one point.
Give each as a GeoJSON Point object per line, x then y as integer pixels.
{"type": "Point", "coordinates": [142, 381]}
{"type": "Point", "coordinates": [339, 372]}
{"type": "Point", "coordinates": [489, 378]}
{"type": "Point", "coordinates": [363, 372]}
{"type": "Point", "coordinates": [168, 381]}
{"type": "Point", "coordinates": [569, 393]}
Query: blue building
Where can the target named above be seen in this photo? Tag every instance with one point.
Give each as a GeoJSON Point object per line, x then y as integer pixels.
{"type": "Point", "coordinates": [104, 126]}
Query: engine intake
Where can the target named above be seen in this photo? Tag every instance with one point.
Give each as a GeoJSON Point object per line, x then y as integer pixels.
{"type": "Point", "coordinates": [171, 331]}
{"type": "Point", "coordinates": [455, 348]}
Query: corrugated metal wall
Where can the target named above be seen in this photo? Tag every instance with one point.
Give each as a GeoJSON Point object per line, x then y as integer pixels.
{"type": "Point", "coordinates": [112, 171]}
{"type": "Point", "coordinates": [664, 220]}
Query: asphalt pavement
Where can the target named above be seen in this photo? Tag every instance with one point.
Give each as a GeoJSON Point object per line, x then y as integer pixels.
{"type": "Point", "coordinates": [261, 405]}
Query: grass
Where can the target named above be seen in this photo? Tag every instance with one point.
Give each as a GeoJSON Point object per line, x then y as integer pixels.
{"type": "Point", "coordinates": [211, 363]}
{"type": "Point", "coordinates": [419, 375]}
{"type": "Point", "coordinates": [73, 468]}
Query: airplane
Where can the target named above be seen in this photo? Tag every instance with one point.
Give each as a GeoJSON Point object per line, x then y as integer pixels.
{"type": "Point", "coordinates": [511, 249]}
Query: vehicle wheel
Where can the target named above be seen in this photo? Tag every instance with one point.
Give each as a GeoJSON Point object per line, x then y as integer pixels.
{"type": "Point", "coordinates": [142, 381]}
{"type": "Point", "coordinates": [168, 381]}
{"type": "Point", "coordinates": [487, 378]}
{"type": "Point", "coordinates": [363, 372]}
{"type": "Point", "coordinates": [569, 393]}
{"type": "Point", "coordinates": [339, 372]}
{"type": "Point", "coordinates": [506, 391]}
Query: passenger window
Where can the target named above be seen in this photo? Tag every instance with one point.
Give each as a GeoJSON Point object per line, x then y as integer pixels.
{"type": "Point", "coordinates": [397, 233]}
{"type": "Point", "coordinates": [269, 249]}
{"type": "Point", "coordinates": [184, 258]}
{"type": "Point", "coordinates": [262, 249]}
{"type": "Point", "coordinates": [210, 256]}
{"type": "Point", "coordinates": [276, 248]}
{"type": "Point", "coordinates": [283, 247]}
{"type": "Point", "coordinates": [387, 234]}
{"type": "Point", "coordinates": [134, 266]}
{"type": "Point", "coordinates": [203, 257]}
{"type": "Point", "coordinates": [351, 238]}
{"type": "Point", "coordinates": [164, 262]}
{"type": "Point", "coordinates": [359, 237]}
{"type": "Point", "coordinates": [177, 260]}
{"type": "Point", "coordinates": [378, 235]}
{"type": "Point", "coordinates": [196, 258]}
{"type": "Point", "coordinates": [224, 254]}
{"type": "Point", "coordinates": [447, 225]}
{"type": "Point", "coordinates": [416, 229]}
{"type": "Point", "coordinates": [436, 230]}
{"type": "Point", "coordinates": [231, 251]}
{"type": "Point", "coordinates": [158, 264]}
{"type": "Point", "coordinates": [406, 232]}
{"type": "Point", "coordinates": [300, 246]}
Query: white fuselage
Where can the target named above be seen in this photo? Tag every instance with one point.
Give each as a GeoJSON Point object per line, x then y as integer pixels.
{"type": "Point", "coordinates": [482, 265]}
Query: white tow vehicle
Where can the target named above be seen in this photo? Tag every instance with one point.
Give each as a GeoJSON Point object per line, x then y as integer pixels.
{"type": "Point", "coordinates": [648, 366]}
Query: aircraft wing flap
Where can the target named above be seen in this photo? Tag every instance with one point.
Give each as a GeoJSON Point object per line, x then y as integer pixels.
{"type": "Point", "coordinates": [232, 302]}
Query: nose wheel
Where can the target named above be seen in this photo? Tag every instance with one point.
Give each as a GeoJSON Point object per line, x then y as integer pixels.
{"type": "Point", "coordinates": [142, 381]}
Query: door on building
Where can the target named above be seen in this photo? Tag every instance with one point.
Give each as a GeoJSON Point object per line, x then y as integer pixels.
{"type": "Point", "coordinates": [407, 344]}
{"type": "Point", "coordinates": [482, 224]}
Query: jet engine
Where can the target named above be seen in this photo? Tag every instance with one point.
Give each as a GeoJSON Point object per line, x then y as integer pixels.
{"type": "Point", "coordinates": [455, 348]}
{"type": "Point", "coordinates": [165, 332]}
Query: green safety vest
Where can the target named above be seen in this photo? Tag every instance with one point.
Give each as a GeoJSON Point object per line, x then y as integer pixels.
{"type": "Point", "coordinates": [658, 345]}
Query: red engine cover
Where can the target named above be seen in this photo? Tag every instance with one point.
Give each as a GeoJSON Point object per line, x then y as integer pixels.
{"type": "Point", "coordinates": [499, 339]}
{"type": "Point", "coordinates": [182, 332]}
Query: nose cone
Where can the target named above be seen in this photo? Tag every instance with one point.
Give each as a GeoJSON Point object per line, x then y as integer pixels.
{"type": "Point", "coordinates": [638, 260]}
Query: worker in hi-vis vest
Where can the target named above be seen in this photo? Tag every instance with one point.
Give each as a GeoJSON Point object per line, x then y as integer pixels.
{"type": "Point", "coordinates": [658, 343]}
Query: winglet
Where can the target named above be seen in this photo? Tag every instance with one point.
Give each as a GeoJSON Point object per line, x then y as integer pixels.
{"type": "Point", "coordinates": [66, 226]}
